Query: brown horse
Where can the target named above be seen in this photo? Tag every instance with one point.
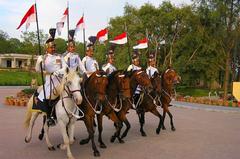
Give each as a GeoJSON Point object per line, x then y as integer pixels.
{"type": "Point", "coordinates": [118, 90]}
{"type": "Point", "coordinates": [148, 103]}
{"type": "Point", "coordinates": [169, 79]}
{"type": "Point", "coordinates": [138, 77]}
{"type": "Point", "coordinates": [94, 93]}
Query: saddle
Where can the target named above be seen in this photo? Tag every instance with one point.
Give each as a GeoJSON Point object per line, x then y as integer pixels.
{"type": "Point", "coordinates": [47, 106]}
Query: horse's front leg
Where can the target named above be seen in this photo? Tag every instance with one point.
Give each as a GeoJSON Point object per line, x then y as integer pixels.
{"type": "Point", "coordinates": [71, 129]}
{"type": "Point", "coordinates": [32, 121]}
{"type": "Point", "coordinates": [171, 120]}
{"type": "Point", "coordinates": [100, 128]}
{"type": "Point", "coordinates": [141, 116]}
{"type": "Point", "coordinates": [89, 124]}
{"type": "Point", "coordinates": [123, 118]}
{"type": "Point", "coordinates": [118, 125]}
{"type": "Point", "coordinates": [155, 112]}
{"type": "Point", "coordinates": [46, 130]}
{"type": "Point", "coordinates": [163, 119]}
{"type": "Point", "coordinates": [66, 140]}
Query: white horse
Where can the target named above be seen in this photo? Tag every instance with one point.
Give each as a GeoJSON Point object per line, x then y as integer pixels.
{"type": "Point", "coordinates": [66, 111]}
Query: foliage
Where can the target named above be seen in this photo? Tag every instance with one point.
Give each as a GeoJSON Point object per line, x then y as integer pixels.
{"type": "Point", "coordinates": [201, 39]}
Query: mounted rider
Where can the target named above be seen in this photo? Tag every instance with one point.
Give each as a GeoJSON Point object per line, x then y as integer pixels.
{"type": "Point", "coordinates": [70, 57]}
{"type": "Point", "coordinates": [51, 64]}
{"type": "Point", "coordinates": [109, 67]}
{"type": "Point", "coordinates": [136, 66]}
{"type": "Point", "coordinates": [90, 64]}
{"type": "Point", "coordinates": [151, 69]}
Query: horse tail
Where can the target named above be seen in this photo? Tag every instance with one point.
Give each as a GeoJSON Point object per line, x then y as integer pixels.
{"type": "Point", "coordinates": [28, 115]}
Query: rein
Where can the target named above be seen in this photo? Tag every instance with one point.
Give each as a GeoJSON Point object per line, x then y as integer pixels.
{"type": "Point", "coordinates": [68, 112]}
{"type": "Point", "coordinates": [93, 108]}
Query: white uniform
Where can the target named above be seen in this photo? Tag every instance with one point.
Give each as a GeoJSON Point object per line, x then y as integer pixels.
{"type": "Point", "coordinates": [91, 65]}
{"type": "Point", "coordinates": [109, 68]}
{"type": "Point", "coordinates": [151, 70]}
{"type": "Point", "coordinates": [51, 63]}
{"type": "Point", "coordinates": [72, 60]}
{"type": "Point", "coordinates": [133, 67]}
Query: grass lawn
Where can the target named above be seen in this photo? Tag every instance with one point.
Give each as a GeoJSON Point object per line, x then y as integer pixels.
{"type": "Point", "coordinates": [17, 77]}
{"type": "Point", "coordinates": [195, 92]}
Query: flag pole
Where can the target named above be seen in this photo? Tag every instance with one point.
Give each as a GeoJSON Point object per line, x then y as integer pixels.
{"type": "Point", "coordinates": [68, 20]}
{"type": "Point", "coordinates": [39, 52]}
{"type": "Point", "coordinates": [84, 45]}
{"type": "Point", "coordinates": [128, 45]}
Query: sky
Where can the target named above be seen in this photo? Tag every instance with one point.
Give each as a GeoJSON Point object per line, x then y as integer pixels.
{"type": "Point", "coordinates": [97, 13]}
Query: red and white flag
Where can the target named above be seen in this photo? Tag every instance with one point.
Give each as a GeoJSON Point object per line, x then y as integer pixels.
{"type": "Point", "coordinates": [80, 24]}
{"type": "Point", "coordinates": [29, 17]}
{"type": "Point", "coordinates": [60, 24]}
{"type": "Point", "coordinates": [120, 39]}
{"type": "Point", "coordinates": [142, 44]}
{"type": "Point", "coordinates": [102, 35]}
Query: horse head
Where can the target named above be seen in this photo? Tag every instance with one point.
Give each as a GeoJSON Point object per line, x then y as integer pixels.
{"type": "Point", "coordinates": [123, 84]}
{"type": "Point", "coordinates": [170, 77]}
{"type": "Point", "coordinates": [142, 79]}
{"type": "Point", "coordinates": [98, 81]}
{"type": "Point", "coordinates": [71, 84]}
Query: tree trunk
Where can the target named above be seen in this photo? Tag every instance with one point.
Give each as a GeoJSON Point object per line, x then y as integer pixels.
{"type": "Point", "coordinates": [226, 78]}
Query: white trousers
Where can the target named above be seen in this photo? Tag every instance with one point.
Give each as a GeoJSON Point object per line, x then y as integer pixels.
{"type": "Point", "coordinates": [48, 86]}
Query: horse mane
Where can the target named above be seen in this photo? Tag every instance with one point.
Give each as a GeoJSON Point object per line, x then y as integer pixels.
{"type": "Point", "coordinates": [70, 75]}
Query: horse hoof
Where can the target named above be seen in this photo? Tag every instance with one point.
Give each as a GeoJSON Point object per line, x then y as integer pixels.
{"type": "Point", "coordinates": [58, 146]}
{"type": "Point", "coordinates": [52, 148]}
{"type": "Point", "coordinates": [163, 128]}
{"type": "Point", "coordinates": [173, 129]}
{"type": "Point", "coordinates": [84, 141]}
{"type": "Point", "coordinates": [96, 154]}
{"type": "Point", "coordinates": [144, 134]}
{"type": "Point", "coordinates": [113, 139]}
{"type": "Point", "coordinates": [158, 131]}
{"type": "Point", "coordinates": [40, 137]}
{"type": "Point", "coordinates": [27, 141]}
{"type": "Point", "coordinates": [103, 146]}
{"type": "Point", "coordinates": [121, 141]}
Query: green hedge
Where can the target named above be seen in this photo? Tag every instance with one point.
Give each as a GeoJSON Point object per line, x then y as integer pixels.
{"type": "Point", "coordinates": [17, 77]}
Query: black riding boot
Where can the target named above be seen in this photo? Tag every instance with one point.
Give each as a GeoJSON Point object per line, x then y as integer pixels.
{"type": "Point", "coordinates": [50, 118]}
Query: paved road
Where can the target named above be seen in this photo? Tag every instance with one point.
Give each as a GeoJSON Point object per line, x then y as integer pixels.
{"type": "Point", "coordinates": [200, 134]}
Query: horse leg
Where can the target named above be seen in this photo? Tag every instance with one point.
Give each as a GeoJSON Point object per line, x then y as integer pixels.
{"type": "Point", "coordinates": [71, 129]}
{"type": "Point", "coordinates": [163, 118]}
{"type": "Point", "coordinates": [141, 116]}
{"type": "Point", "coordinates": [118, 125]}
{"type": "Point", "coordinates": [40, 137]}
{"type": "Point", "coordinates": [89, 125]}
{"type": "Point", "coordinates": [66, 144]}
{"type": "Point", "coordinates": [100, 128]}
{"type": "Point", "coordinates": [155, 112]}
{"type": "Point", "coordinates": [32, 121]}
{"type": "Point", "coordinates": [50, 146]}
{"type": "Point", "coordinates": [126, 122]}
{"type": "Point", "coordinates": [171, 120]}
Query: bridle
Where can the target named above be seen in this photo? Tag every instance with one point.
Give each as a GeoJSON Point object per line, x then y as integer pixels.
{"type": "Point", "coordinates": [94, 108]}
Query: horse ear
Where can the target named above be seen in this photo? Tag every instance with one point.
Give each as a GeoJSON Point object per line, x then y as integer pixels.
{"type": "Point", "coordinates": [67, 70]}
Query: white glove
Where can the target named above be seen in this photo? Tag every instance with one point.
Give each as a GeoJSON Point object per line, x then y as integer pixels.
{"type": "Point", "coordinates": [55, 73]}
{"type": "Point", "coordinates": [40, 58]}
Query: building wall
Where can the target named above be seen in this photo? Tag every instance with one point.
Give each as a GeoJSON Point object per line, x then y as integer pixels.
{"type": "Point", "coordinates": [16, 60]}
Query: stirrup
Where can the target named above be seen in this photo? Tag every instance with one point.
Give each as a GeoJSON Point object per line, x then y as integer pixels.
{"type": "Point", "coordinates": [51, 121]}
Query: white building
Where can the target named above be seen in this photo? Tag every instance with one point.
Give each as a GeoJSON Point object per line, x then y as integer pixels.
{"type": "Point", "coordinates": [17, 60]}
